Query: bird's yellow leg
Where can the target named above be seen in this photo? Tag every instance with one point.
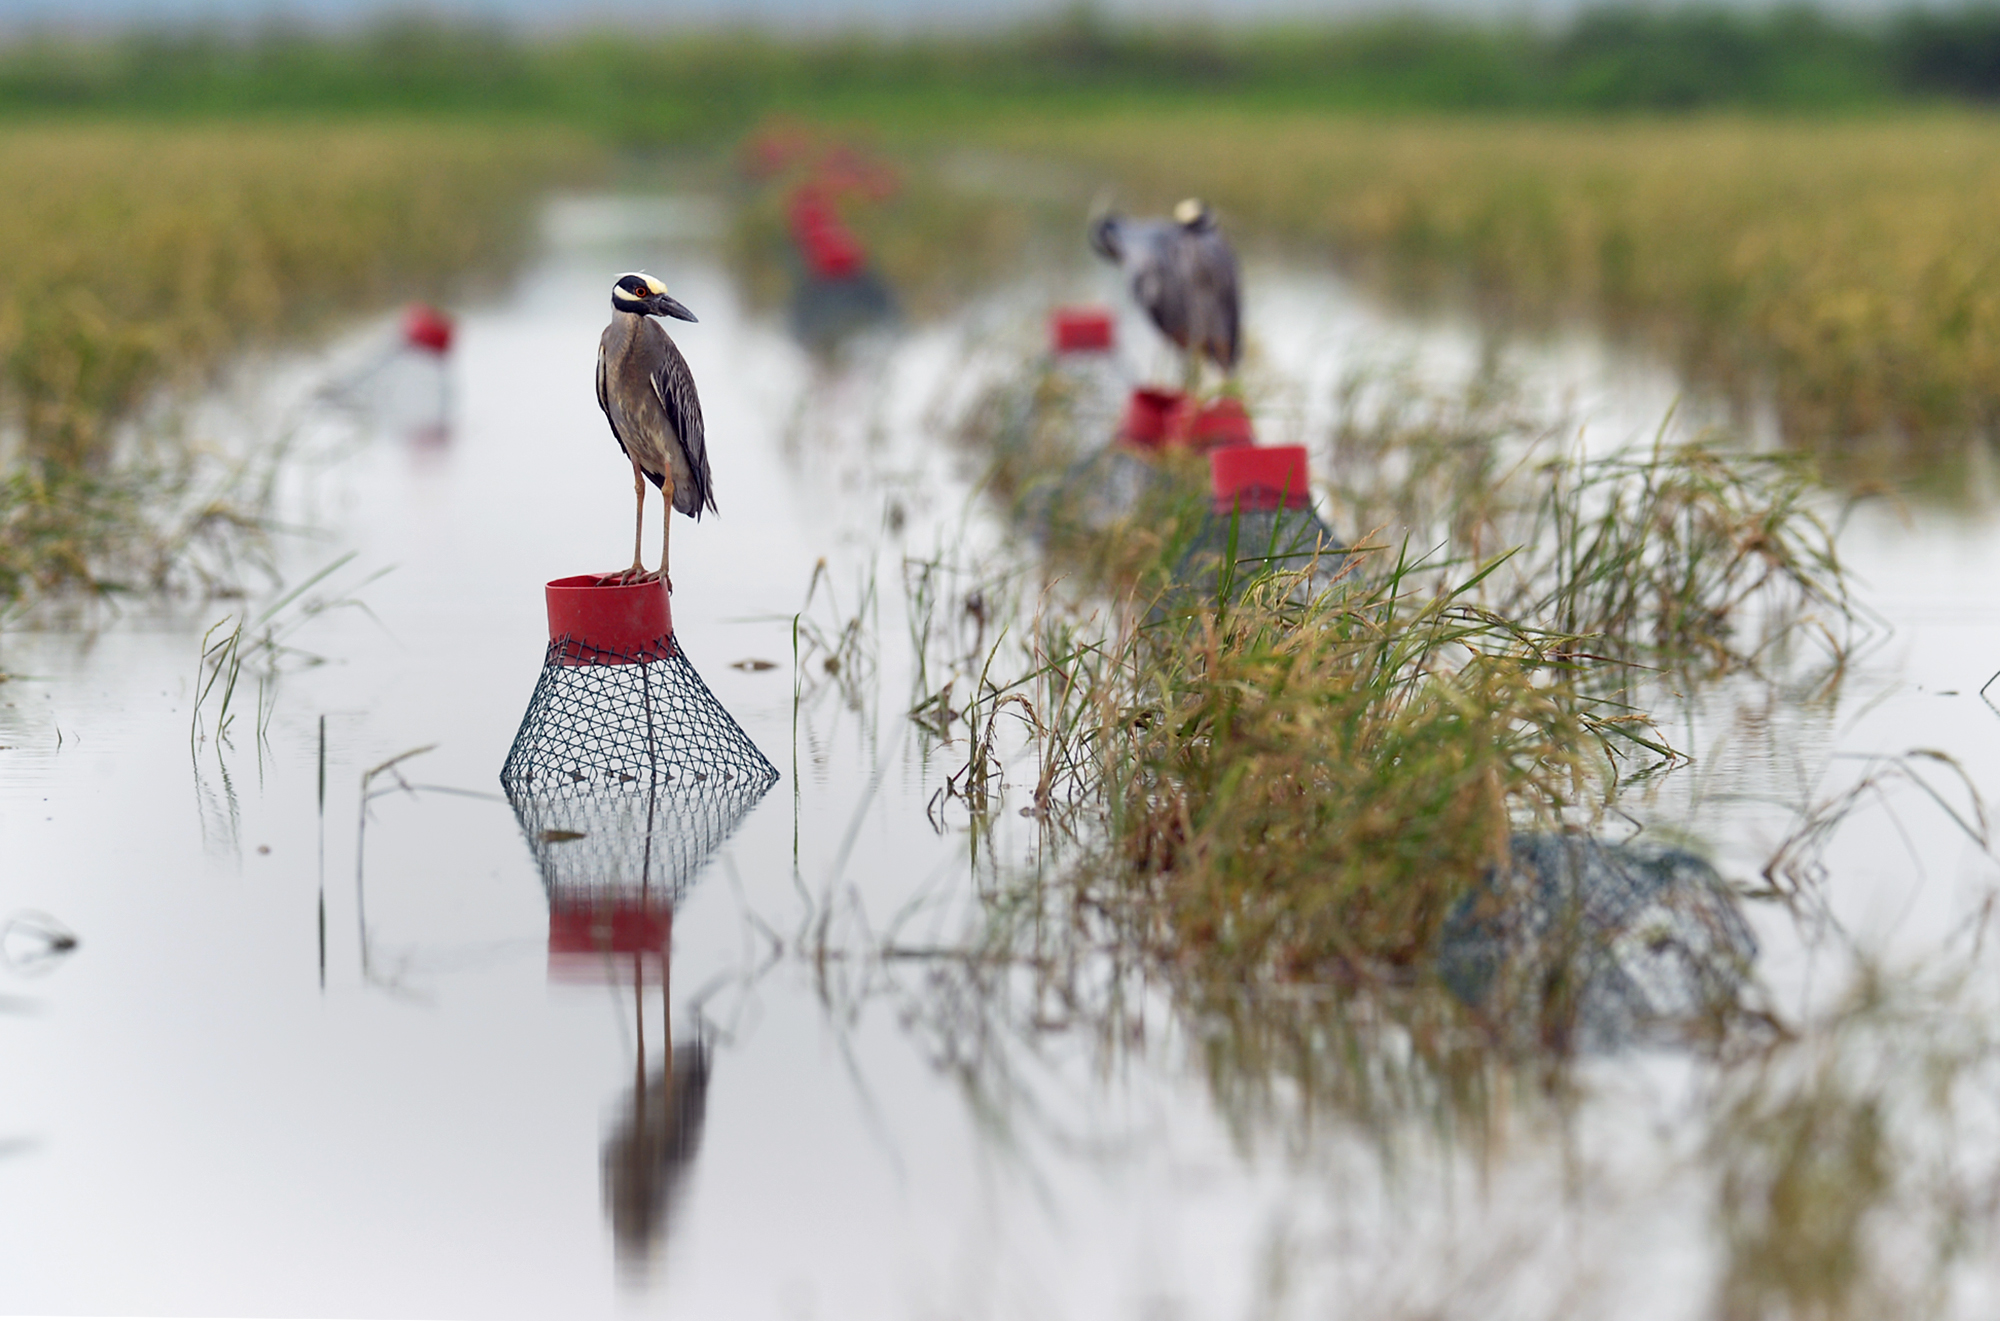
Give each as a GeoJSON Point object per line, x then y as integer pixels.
{"type": "Point", "coordinates": [1191, 369]}
{"type": "Point", "coordinates": [638, 569]}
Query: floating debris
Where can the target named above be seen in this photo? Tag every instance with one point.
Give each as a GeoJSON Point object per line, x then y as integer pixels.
{"type": "Point", "coordinates": [35, 943]}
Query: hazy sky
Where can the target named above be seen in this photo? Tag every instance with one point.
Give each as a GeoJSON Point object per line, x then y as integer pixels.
{"type": "Point", "coordinates": [892, 14]}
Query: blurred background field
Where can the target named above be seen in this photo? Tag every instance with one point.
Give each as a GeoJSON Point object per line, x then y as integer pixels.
{"type": "Point", "coordinates": [140, 258]}
{"type": "Point", "coordinates": [1792, 206]}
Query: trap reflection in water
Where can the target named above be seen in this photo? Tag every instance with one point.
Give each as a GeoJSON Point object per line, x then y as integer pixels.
{"type": "Point", "coordinates": [400, 380]}
{"type": "Point", "coordinates": [34, 943]}
{"type": "Point", "coordinates": [626, 776]}
{"type": "Point", "coordinates": [614, 866]}
{"type": "Point", "coordinates": [826, 311]}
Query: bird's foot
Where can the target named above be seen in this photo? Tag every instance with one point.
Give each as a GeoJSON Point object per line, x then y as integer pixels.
{"type": "Point", "coordinates": [627, 577]}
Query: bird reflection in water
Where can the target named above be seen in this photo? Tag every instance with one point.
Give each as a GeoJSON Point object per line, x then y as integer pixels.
{"type": "Point", "coordinates": [615, 866]}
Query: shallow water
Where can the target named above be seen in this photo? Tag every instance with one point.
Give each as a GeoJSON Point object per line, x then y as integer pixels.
{"type": "Point", "coordinates": [211, 1108]}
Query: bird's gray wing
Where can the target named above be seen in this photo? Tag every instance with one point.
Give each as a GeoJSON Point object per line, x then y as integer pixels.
{"type": "Point", "coordinates": [604, 400]}
{"type": "Point", "coordinates": [673, 385]}
{"type": "Point", "coordinates": [1219, 286]}
{"type": "Point", "coordinates": [1159, 283]}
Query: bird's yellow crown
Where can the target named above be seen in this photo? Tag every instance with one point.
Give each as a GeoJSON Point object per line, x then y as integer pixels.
{"type": "Point", "coordinates": [632, 289]}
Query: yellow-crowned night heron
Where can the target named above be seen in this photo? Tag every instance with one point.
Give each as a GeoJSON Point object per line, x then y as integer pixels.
{"type": "Point", "coordinates": [1183, 273]}
{"type": "Point", "coordinates": [648, 396]}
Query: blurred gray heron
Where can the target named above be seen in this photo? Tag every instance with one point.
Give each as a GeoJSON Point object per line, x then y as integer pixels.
{"type": "Point", "coordinates": [1183, 273]}
{"type": "Point", "coordinates": [648, 396]}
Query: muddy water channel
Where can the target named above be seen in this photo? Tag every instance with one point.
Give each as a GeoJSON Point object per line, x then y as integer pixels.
{"type": "Point", "coordinates": [312, 1055]}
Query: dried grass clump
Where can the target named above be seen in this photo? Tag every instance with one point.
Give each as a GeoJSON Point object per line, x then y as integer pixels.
{"type": "Point", "coordinates": [1314, 795]}
{"type": "Point", "coordinates": [1694, 556]}
{"type": "Point", "coordinates": [1299, 780]}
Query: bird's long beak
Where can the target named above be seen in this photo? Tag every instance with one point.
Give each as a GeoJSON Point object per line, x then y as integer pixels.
{"type": "Point", "coordinates": [665, 305]}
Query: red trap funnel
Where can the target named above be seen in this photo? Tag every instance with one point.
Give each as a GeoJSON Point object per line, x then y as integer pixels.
{"type": "Point", "coordinates": [825, 243]}
{"type": "Point", "coordinates": [593, 621]}
{"type": "Point", "coordinates": [426, 328]}
{"type": "Point", "coordinates": [1215, 425]}
{"type": "Point", "coordinates": [1155, 417]}
{"type": "Point", "coordinates": [1249, 477]}
{"type": "Point", "coordinates": [1080, 330]}
{"type": "Point", "coordinates": [1149, 416]}
{"type": "Point", "coordinates": [619, 710]}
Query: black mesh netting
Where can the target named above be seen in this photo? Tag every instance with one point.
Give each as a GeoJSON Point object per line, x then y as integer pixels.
{"type": "Point", "coordinates": [826, 311]}
{"type": "Point", "coordinates": [627, 773]}
{"type": "Point", "coordinates": [1093, 495]}
{"type": "Point", "coordinates": [1598, 944]}
{"type": "Point", "coordinates": [624, 722]}
{"type": "Point", "coordinates": [1233, 550]}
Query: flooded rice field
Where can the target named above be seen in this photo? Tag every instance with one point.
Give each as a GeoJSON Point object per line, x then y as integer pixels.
{"type": "Point", "coordinates": [320, 1048]}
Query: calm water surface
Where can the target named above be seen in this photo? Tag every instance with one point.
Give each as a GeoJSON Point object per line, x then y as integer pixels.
{"type": "Point", "coordinates": [212, 1109]}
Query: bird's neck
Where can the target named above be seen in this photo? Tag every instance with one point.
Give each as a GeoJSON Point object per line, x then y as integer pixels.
{"type": "Point", "coordinates": [628, 326]}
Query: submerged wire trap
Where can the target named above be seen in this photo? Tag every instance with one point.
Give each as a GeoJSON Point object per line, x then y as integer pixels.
{"type": "Point", "coordinates": [1157, 430]}
{"type": "Point", "coordinates": [1598, 945]}
{"type": "Point", "coordinates": [619, 709]}
{"type": "Point", "coordinates": [626, 773]}
{"type": "Point", "coordinates": [1262, 522]}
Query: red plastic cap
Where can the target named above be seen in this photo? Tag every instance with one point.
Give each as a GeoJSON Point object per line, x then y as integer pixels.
{"type": "Point", "coordinates": [608, 623]}
{"type": "Point", "coordinates": [1080, 329]}
{"type": "Point", "coordinates": [1216, 425]}
{"type": "Point", "coordinates": [828, 246]}
{"type": "Point", "coordinates": [426, 328]}
{"type": "Point", "coordinates": [1250, 477]}
{"type": "Point", "coordinates": [833, 254]}
{"type": "Point", "coordinates": [1149, 416]}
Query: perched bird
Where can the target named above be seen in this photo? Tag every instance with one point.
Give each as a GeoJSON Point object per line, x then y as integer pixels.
{"type": "Point", "coordinates": [1183, 273]}
{"type": "Point", "coordinates": [648, 396]}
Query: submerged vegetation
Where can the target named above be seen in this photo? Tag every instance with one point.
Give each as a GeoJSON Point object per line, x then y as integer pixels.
{"type": "Point", "coordinates": [1265, 810]}
{"type": "Point", "coordinates": [141, 258]}
{"type": "Point", "coordinates": [1305, 784]}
